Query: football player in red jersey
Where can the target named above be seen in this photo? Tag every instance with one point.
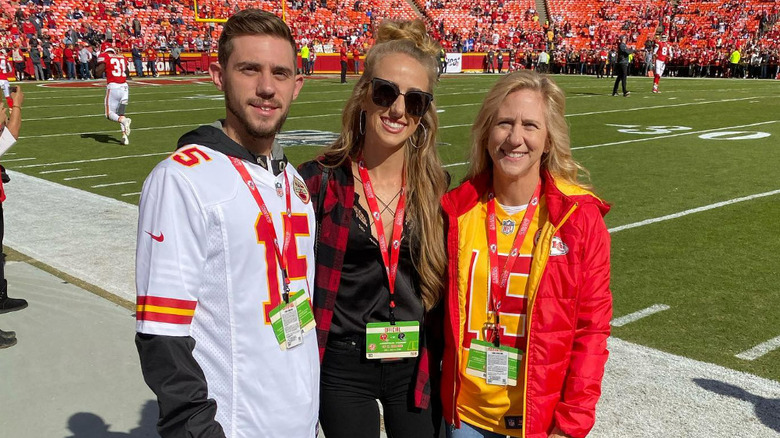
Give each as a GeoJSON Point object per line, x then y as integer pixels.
{"type": "Point", "coordinates": [5, 69]}
{"type": "Point", "coordinates": [662, 52]}
{"type": "Point", "coordinates": [117, 92]}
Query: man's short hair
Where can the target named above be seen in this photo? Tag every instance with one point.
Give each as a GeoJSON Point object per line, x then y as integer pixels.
{"type": "Point", "coordinates": [252, 22]}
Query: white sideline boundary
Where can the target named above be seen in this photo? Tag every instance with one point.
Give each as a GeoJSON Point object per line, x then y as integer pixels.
{"type": "Point", "coordinates": [645, 392]}
{"type": "Point", "coordinates": [88, 236]}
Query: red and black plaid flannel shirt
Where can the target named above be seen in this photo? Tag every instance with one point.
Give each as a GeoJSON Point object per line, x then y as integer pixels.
{"type": "Point", "coordinates": [333, 231]}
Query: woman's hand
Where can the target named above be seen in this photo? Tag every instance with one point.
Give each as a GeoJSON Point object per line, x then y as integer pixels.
{"type": "Point", "coordinates": [3, 113]}
{"type": "Point", "coordinates": [18, 96]}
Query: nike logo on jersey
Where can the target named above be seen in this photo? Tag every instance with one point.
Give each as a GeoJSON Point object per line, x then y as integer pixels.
{"type": "Point", "coordinates": [159, 238]}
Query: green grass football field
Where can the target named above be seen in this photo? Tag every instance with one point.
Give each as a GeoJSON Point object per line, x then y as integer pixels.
{"type": "Point", "coordinates": [711, 145]}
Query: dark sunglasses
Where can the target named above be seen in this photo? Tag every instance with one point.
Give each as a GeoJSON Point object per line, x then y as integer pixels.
{"type": "Point", "coordinates": [385, 93]}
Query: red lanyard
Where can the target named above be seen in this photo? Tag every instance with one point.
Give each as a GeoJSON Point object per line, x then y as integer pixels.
{"type": "Point", "coordinates": [390, 258]}
{"type": "Point", "coordinates": [500, 280]}
{"type": "Point", "coordinates": [281, 255]}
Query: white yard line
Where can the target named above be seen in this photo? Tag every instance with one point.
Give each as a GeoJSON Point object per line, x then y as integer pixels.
{"type": "Point", "coordinates": [101, 115]}
{"type": "Point", "coordinates": [760, 349]}
{"type": "Point", "coordinates": [631, 317]}
{"type": "Point", "coordinates": [98, 99]}
{"type": "Point", "coordinates": [153, 128]}
{"type": "Point", "coordinates": [18, 159]}
{"type": "Point", "coordinates": [84, 177]}
{"type": "Point", "coordinates": [455, 164]}
{"type": "Point", "coordinates": [112, 131]}
{"type": "Point", "coordinates": [642, 108]}
{"type": "Point", "coordinates": [113, 184]}
{"type": "Point", "coordinates": [636, 140]}
{"type": "Point", "coordinates": [93, 160]}
{"type": "Point", "coordinates": [130, 194]}
{"type": "Point", "coordinates": [58, 171]}
{"type": "Point", "coordinates": [693, 210]}
{"type": "Point", "coordinates": [185, 110]}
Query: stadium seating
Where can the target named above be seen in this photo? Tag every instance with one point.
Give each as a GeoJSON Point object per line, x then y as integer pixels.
{"type": "Point", "coordinates": [577, 24]}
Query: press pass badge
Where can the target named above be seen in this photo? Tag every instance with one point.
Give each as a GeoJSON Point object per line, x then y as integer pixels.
{"type": "Point", "coordinates": [291, 321]}
{"type": "Point", "coordinates": [388, 341]}
{"type": "Point", "coordinates": [497, 365]}
{"type": "Point", "coordinates": [293, 335]}
{"type": "Point", "coordinates": [497, 372]}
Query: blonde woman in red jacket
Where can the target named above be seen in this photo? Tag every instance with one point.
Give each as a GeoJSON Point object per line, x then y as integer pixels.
{"type": "Point", "coordinates": [527, 302]}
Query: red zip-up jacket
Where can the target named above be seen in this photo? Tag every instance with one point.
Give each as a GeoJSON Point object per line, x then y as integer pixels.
{"type": "Point", "coordinates": [569, 310]}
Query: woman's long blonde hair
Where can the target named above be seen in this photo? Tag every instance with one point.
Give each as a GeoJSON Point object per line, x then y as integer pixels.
{"type": "Point", "coordinates": [425, 178]}
{"type": "Point", "coordinates": [558, 159]}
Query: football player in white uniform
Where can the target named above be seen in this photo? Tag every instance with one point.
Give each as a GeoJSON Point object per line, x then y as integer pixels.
{"type": "Point", "coordinates": [225, 258]}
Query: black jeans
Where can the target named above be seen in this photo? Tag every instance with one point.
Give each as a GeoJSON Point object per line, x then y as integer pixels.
{"type": "Point", "coordinates": [622, 72]}
{"type": "Point", "coordinates": [350, 384]}
{"type": "Point", "coordinates": [343, 72]}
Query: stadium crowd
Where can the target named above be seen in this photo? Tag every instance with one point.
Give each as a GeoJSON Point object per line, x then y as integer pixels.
{"type": "Point", "coordinates": [59, 39]}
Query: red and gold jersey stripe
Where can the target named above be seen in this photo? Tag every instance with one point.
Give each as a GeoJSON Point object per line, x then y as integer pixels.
{"type": "Point", "coordinates": [168, 310]}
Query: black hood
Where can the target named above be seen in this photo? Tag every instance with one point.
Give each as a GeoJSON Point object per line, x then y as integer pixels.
{"type": "Point", "coordinates": [213, 137]}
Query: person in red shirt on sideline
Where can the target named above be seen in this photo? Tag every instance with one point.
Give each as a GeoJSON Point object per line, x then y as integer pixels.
{"type": "Point", "coordinates": [343, 56]}
{"type": "Point", "coordinates": [117, 92]}
{"type": "Point", "coordinates": [151, 60]}
{"type": "Point", "coordinates": [356, 59]}
{"type": "Point", "coordinates": [56, 61]}
{"type": "Point", "coordinates": [663, 52]}
{"type": "Point", "coordinates": [601, 63]}
{"type": "Point", "coordinates": [69, 56]}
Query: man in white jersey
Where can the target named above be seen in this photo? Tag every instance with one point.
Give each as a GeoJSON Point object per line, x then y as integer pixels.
{"type": "Point", "coordinates": [225, 258]}
{"type": "Point", "coordinates": [117, 92]}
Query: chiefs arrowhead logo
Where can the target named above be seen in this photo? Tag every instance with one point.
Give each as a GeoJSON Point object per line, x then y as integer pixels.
{"type": "Point", "coordinates": [557, 247]}
{"type": "Point", "coordinates": [299, 187]}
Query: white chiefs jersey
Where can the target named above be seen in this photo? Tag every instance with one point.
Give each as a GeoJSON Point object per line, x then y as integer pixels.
{"type": "Point", "coordinates": [206, 268]}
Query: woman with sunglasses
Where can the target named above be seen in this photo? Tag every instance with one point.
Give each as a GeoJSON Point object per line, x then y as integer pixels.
{"type": "Point", "coordinates": [527, 306]}
{"type": "Point", "coordinates": [380, 256]}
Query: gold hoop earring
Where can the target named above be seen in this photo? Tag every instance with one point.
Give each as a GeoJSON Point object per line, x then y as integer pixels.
{"type": "Point", "coordinates": [420, 144]}
{"type": "Point", "coordinates": [362, 123]}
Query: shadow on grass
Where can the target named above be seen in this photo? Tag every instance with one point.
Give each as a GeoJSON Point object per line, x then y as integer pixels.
{"type": "Point", "coordinates": [102, 138]}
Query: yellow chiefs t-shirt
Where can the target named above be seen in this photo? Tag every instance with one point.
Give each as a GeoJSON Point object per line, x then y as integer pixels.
{"type": "Point", "coordinates": [492, 407]}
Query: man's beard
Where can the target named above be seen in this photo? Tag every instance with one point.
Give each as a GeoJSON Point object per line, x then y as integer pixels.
{"type": "Point", "coordinates": [247, 126]}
